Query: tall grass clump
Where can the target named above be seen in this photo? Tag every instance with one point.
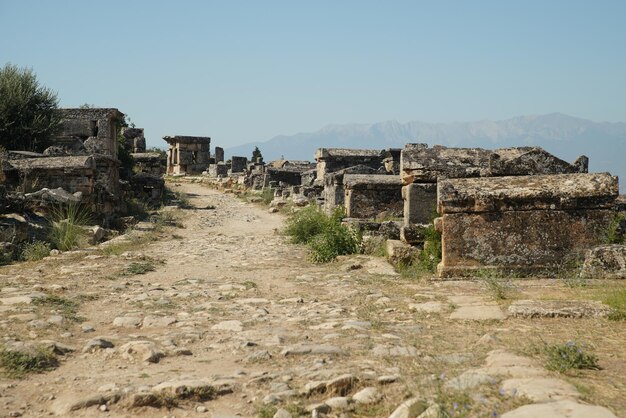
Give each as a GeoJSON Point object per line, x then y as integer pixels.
{"type": "Point", "coordinates": [324, 234]}
{"type": "Point", "coordinates": [430, 256]}
{"type": "Point", "coordinates": [570, 355]}
{"type": "Point", "coordinates": [615, 230]}
{"type": "Point", "coordinates": [66, 229]}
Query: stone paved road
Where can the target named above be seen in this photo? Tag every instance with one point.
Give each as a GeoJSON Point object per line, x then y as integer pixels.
{"type": "Point", "coordinates": [234, 321]}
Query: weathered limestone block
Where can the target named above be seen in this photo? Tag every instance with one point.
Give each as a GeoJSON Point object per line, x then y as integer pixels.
{"type": "Point", "coordinates": [369, 195]}
{"type": "Point", "coordinates": [135, 140]}
{"type": "Point", "coordinates": [150, 163]}
{"type": "Point", "coordinates": [334, 192]}
{"type": "Point", "coordinates": [565, 192]}
{"type": "Point", "coordinates": [238, 164]}
{"type": "Point", "coordinates": [99, 124]}
{"type": "Point", "coordinates": [605, 262]}
{"type": "Point", "coordinates": [529, 224]}
{"type": "Point", "coordinates": [425, 165]}
{"type": "Point", "coordinates": [526, 161]}
{"type": "Point", "coordinates": [420, 202]}
{"type": "Point", "coordinates": [219, 155]}
{"type": "Point", "coordinates": [400, 253]}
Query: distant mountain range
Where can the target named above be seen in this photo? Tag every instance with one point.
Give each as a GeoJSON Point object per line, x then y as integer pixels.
{"type": "Point", "coordinates": [564, 136]}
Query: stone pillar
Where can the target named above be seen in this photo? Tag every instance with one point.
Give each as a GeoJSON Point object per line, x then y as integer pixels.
{"type": "Point", "coordinates": [219, 155]}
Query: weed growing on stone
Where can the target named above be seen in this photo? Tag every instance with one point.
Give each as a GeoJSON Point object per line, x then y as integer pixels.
{"type": "Point", "coordinates": [266, 411]}
{"type": "Point", "coordinates": [615, 232]}
{"type": "Point", "coordinates": [16, 364]}
{"type": "Point", "coordinates": [35, 251]}
{"type": "Point", "coordinates": [140, 267]}
{"type": "Point", "coordinates": [249, 284]}
{"type": "Point", "coordinates": [430, 255]}
{"type": "Point", "coordinates": [570, 355]}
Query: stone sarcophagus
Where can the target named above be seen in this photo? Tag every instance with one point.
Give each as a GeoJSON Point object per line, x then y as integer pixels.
{"type": "Point", "coordinates": [330, 160]}
{"type": "Point", "coordinates": [523, 224]}
{"type": "Point", "coordinates": [370, 196]}
{"type": "Point", "coordinates": [421, 167]}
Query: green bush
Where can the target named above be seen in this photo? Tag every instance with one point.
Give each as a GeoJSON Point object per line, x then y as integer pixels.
{"type": "Point", "coordinates": [563, 357]}
{"type": "Point", "coordinates": [35, 251]}
{"type": "Point", "coordinates": [324, 234]}
{"type": "Point", "coordinates": [66, 231]}
{"type": "Point", "coordinates": [305, 224]}
{"type": "Point", "coordinates": [267, 195]}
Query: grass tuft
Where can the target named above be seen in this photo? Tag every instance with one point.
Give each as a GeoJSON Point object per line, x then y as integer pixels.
{"type": "Point", "coordinates": [16, 364]}
{"type": "Point", "coordinates": [498, 286]}
{"type": "Point", "coordinates": [570, 355]}
{"type": "Point", "coordinates": [68, 308]}
{"type": "Point", "coordinates": [35, 251]}
{"type": "Point", "coordinates": [140, 267]}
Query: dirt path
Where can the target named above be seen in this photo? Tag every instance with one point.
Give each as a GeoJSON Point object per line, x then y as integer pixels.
{"type": "Point", "coordinates": [234, 313]}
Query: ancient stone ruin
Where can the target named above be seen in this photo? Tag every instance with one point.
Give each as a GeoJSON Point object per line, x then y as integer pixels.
{"type": "Point", "coordinates": [373, 196]}
{"type": "Point", "coordinates": [525, 224]}
{"type": "Point", "coordinates": [187, 154]}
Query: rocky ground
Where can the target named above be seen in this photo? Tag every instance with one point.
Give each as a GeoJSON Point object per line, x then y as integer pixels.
{"type": "Point", "coordinates": [225, 318]}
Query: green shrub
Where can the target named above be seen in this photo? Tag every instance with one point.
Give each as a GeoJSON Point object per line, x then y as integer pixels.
{"type": "Point", "coordinates": [614, 233]}
{"type": "Point", "coordinates": [303, 225]}
{"type": "Point", "coordinates": [324, 234]}
{"type": "Point", "coordinates": [18, 363]}
{"type": "Point", "coordinates": [66, 231]}
{"type": "Point", "coordinates": [35, 251]}
{"type": "Point", "coordinates": [570, 355]}
{"type": "Point", "coordinates": [267, 195]}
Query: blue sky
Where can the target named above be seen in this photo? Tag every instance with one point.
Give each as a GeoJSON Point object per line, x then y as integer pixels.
{"type": "Point", "coordinates": [240, 71]}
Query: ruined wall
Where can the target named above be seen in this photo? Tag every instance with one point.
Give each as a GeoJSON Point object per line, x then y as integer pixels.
{"type": "Point", "coordinates": [89, 131]}
{"type": "Point", "coordinates": [334, 193]}
{"type": "Point", "coordinates": [529, 224]}
{"type": "Point", "coordinates": [330, 160]}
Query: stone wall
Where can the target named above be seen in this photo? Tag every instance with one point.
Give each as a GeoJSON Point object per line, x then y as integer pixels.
{"type": "Point", "coordinates": [526, 224]}
{"type": "Point", "coordinates": [150, 163]}
{"type": "Point", "coordinates": [334, 193]}
{"type": "Point", "coordinates": [238, 164]}
{"type": "Point", "coordinates": [135, 139]}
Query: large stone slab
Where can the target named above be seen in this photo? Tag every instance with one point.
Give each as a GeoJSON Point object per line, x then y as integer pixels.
{"type": "Point", "coordinates": [366, 196]}
{"type": "Point", "coordinates": [560, 409]}
{"type": "Point", "coordinates": [557, 309]}
{"type": "Point", "coordinates": [547, 192]}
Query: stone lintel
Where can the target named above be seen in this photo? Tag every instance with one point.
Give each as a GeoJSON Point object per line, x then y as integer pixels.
{"type": "Point", "coordinates": [371, 181]}
{"type": "Point", "coordinates": [543, 192]}
{"type": "Point", "coordinates": [178, 139]}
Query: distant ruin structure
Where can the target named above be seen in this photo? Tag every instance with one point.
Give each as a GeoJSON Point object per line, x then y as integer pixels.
{"type": "Point", "coordinates": [135, 140]}
{"type": "Point", "coordinates": [187, 154]}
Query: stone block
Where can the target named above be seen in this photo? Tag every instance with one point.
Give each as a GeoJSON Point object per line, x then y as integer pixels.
{"type": "Point", "coordinates": [420, 202]}
{"type": "Point", "coordinates": [400, 253]}
{"type": "Point", "coordinates": [371, 196]}
{"type": "Point", "coordinates": [238, 164]}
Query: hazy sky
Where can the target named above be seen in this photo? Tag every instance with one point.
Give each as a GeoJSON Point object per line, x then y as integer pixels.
{"type": "Point", "coordinates": [240, 71]}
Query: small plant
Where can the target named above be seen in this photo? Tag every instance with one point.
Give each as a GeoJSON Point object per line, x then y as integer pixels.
{"type": "Point", "coordinates": [324, 234]}
{"type": "Point", "coordinates": [498, 286]}
{"type": "Point", "coordinates": [570, 355]}
{"type": "Point", "coordinates": [266, 411]}
{"type": "Point", "coordinates": [18, 363]}
{"type": "Point", "coordinates": [68, 308]}
{"type": "Point", "coordinates": [140, 267]}
{"type": "Point", "coordinates": [267, 195]}
{"type": "Point", "coordinates": [615, 232]}
{"type": "Point", "coordinates": [66, 231]}
{"type": "Point", "coordinates": [249, 284]}
{"type": "Point", "coordinates": [35, 251]}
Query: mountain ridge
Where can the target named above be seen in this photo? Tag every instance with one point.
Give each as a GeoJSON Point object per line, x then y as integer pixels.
{"type": "Point", "coordinates": [565, 136]}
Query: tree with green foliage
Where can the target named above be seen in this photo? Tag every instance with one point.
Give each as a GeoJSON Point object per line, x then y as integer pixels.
{"type": "Point", "coordinates": [256, 154]}
{"type": "Point", "coordinates": [28, 116]}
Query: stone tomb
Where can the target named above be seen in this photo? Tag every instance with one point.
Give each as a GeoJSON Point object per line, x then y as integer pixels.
{"type": "Point", "coordinates": [135, 139]}
{"type": "Point", "coordinates": [150, 163]}
{"type": "Point", "coordinates": [187, 154]}
{"type": "Point", "coordinates": [370, 196]}
{"type": "Point", "coordinates": [89, 131]}
{"type": "Point", "coordinates": [238, 164]}
{"type": "Point", "coordinates": [525, 224]}
{"type": "Point", "coordinates": [421, 167]}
